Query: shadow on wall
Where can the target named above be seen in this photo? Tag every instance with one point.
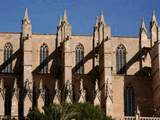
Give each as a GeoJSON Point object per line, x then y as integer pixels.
{"type": "Point", "coordinates": [139, 57]}
{"type": "Point", "coordinates": [142, 95]}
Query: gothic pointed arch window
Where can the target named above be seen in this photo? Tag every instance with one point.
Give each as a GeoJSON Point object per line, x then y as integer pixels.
{"type": "Point", "coordinates": [44, 58]}
{"type": "Point", "coordinates": [7, 58]}
{"type": "Point", "coordinates": [129, 101]}
{"type": "Point", "coordinates": [120, 59]}
{"type": "Point", "coordinates": [79, 53]}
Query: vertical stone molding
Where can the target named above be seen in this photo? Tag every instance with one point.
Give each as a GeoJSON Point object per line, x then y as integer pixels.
{"type": "Point", "coordinates": [109, 97]}
{"type": "Point", "coordinates": [27, 103]}
{"type": "Point", "coordinates": [138, 115]}
{"type": "Point", "coordinates": [41, 98]}
{"type": "Point", "coordinates": [97, 99]}
{"type": "Point", "coordinates": [28, 98]}
{"type": "Point", "coordinates": [82, 97]}
{"type": "Point", "coordinates": [56, 99]}
{"type": "Point", "coordinates": [68, 92]}
{"type": "Point", "coordinates": [15, 100]}
{"type": "Point", "coordinates": [26, 46]}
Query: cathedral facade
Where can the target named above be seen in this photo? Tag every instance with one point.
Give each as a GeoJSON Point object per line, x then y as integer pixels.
{"type": "Point", "coordinates": [118, 73]}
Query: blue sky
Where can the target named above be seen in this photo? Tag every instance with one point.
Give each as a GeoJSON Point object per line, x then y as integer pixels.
{"type": "Point", "coordinates": [123, 16]}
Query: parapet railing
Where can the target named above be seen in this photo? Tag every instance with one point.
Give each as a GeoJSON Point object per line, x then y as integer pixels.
{"type": "Point", "coordinates": [129, 118]}
{"type": "Point", "coordinates": [2, 117]}
{"type": "Point", "coordinates": [149, 118]}
{"type": "Point", "coordinates": [8, 117]}
{"type": "Point", "coordinates": [139, 118]}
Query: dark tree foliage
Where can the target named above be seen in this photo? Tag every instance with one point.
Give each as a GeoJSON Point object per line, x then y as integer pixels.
{"type": "Point", "coordinates": [35, 114]}
{"type": "Point", "coordinates": [76, 111]}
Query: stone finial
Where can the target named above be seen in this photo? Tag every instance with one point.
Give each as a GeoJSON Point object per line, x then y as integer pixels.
{"type": "Point", "coordinates": [41, 85]}
{"type": "Point", "coordinates": [137, 110]}
{"type": "Point", "coordinates": [154, 19]}
{"type": "Point", "coordinates": [81, 84]}
{"type": "Point", "coordinates": [159, 33]}
{"type": "Point", "coordinates": [15, 90]}
{"type": "Point", "coordinates": [15, 84]}
{"type": "Point", "coordinates": [1, 84]}
{"type": "Point", "coordinates": [97, 99]}
{"type": "Point", "coordinates": [56, 98]}
{"type": "Point", "coordinates": [69, 92]}
{"type": "Point", "coordinates": [56, 85]}
{"type": "Point", "coordinates": [143, 26]}
{"type": "Point", "coordinates": [137, 115]}
{"type": "Point", "coordinates": [96, 86]}
{"type": "Point", "coordinates": [41, 90]}
{"type": "Point", "coordinates": [65, 19]}
{"type": "Point", "coordinates": [60, 20]}
{"type": "Point", "coordinates": [68, 99]}
{"type": "Point", "coordinates": [27, 84]}
{"type": "Point", "coordinates": [97, 94]}
{"type": "Point", "coordinates": [82, 97]}
{"type": "Point", "coordinates": [97, 21]}
{"type": "Point", "coordinates": [101, 19]}
{"type": "Point", "coordinates": [26, 16]}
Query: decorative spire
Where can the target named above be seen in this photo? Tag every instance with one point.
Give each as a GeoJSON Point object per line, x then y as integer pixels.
{"type": "Point", "coordinates": [26, 17]}
{"type": "Point", "coordinates": [60, 20]}
{"type": "Point", "coordinates": [65, 19]}
{"type": "Point", "coordinates": [154, 19]}
{"type": "Point", "coordinates": [143, 26]}
{"type": "Point", "coordinates": [97, 21]}
{"type": "Point", "coordinates": [101, 19]}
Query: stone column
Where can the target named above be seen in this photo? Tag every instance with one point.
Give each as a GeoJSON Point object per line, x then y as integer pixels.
{"type": "Point", "coordinates": [26, 46]}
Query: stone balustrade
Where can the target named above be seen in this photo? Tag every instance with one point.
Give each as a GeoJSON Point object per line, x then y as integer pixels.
{"type": "Point", "coordinates": [139, 118]}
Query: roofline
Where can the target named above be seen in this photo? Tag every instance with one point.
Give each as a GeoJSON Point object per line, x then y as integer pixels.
{"type": "Point", "coordinates": [88, 35]}
{"type": "Point", "coordinates": [125, 36]}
